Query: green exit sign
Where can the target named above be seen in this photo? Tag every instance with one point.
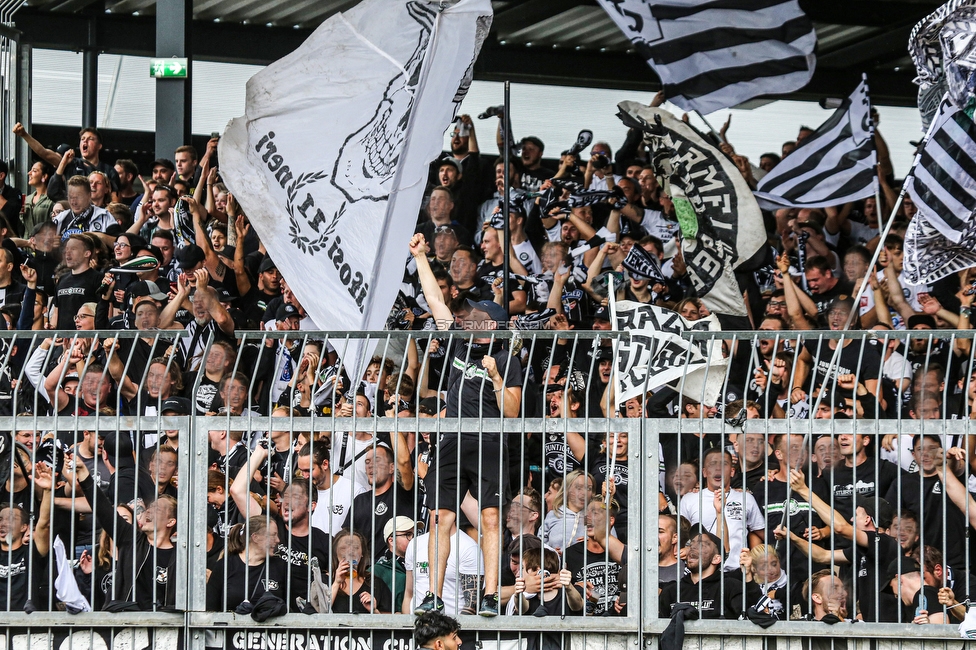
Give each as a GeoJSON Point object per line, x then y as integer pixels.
{"type": "Point", "coordinates": [173, 68]}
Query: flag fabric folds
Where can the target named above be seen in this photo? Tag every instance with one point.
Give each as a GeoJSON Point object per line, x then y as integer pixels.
{"type": "Point", "coordinates": [714, 54]}
{"type": "Point", "coordinates": [836, 164]}
{"type": "Point", "coordinates": [330, 160]}
{"type": "Point", "coordinates": [941, 239]}
{"type": "Point", "coordinates": [643, 265]}
{"type": "Point", "coordinates": [653, 354]}
{"type": "Point", "coordinates": [721, 224]}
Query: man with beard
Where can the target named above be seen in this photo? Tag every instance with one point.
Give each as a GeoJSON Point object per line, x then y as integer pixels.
{"type": "Point", "coordinates": [704, 586]}
{"type": "Point", "coordinates": [466, 189]}
{"type": "Point", "coordinates": [298, 540]}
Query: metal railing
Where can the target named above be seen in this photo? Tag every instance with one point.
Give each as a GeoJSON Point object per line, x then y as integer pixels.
{"type": "Point", "coordinates": [227, 500]}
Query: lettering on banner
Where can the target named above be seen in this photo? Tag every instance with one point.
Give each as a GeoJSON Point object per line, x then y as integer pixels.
{"type": "Point", "coordinates": [310, 229]}
{"type": "Point", "coordinates": [132, 638]}
{"type": "Point", "coordinates": [316, 640]}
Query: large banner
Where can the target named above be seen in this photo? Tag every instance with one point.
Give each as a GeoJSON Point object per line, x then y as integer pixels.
{"type": "Point", "coordinates": [330, 159]}
{"type": "Point", "coordinates": [654, 354]}
{"type": "Point", "coordinates": [721, 225]}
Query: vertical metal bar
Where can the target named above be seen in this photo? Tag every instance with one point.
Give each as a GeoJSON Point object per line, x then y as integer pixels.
{"type": "Point", "coordinates": [506, 245]}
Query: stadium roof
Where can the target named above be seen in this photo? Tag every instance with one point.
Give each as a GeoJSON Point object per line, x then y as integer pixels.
{"type": "Point", "coordinates": [562, 42]}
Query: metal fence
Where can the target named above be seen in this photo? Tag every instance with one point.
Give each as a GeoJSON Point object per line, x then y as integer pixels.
{"type": "Point", "coordinates": [274, 504]}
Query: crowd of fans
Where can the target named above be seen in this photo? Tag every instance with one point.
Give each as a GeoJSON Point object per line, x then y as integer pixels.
{"type": "Point", "coordinates": [829, 527]}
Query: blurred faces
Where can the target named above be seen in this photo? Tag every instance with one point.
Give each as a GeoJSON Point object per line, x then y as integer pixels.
{"type": "Point", "coordinates": [79, 198]}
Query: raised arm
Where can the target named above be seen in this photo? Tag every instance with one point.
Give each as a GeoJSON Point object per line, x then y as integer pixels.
{"type": "Point", "coordinates": [240, 488]}
{"type": "Point", "coordinates": [443, 316]}
{"type": "Point", "coordinates": [168, 315]}
{"type": "Point", "coordinates": [53, 158]}
{"type": "Point", "coordinates": [220, 315]}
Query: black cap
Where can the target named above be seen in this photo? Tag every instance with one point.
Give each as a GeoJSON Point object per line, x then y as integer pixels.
{"type": "Point", "coordinates": [698, 529]}
{"type": "Point", "coordinates": [164, 162]}
{"type": "Point", "coordinates": [921, 319]}
{"type": "Point", "coordinates": [178, 405]}
{"type": "Point", "coordinates": [450, 161]}
{"type": "Point", "coordinates": [897, 567]}
{"type": "Point", "coordinates": [267, 264]}
{"type": "Point", "coordinates": [880, 511]}
{"type": "Point", "coordinates": [602, 313]}
{"type": "Point", "coordinates": [286, 311]}
{"type": "Point", "coordinates": [223, 295]}
{"type": "Point", "coordinates": [189, 256]}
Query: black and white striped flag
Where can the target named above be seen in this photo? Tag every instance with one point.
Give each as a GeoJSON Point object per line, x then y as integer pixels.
{"type": "Point", "coordinates": [941, 239]}
{"type": "Point", "coordinates": [643, 265]}
{"type": "Point", "coordinates": [713, 54]}
{"type": "Point", "coordinates": [836, 164]}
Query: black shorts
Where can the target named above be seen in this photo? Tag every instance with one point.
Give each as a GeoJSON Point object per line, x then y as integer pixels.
{"type": "Point", "coordinates": [469, 462]}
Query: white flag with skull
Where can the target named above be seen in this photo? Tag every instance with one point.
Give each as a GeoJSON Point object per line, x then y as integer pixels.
{"type": "Point", "coordinates": [329, 161]}
{"type": "Point", "coordinates": [653, 354]}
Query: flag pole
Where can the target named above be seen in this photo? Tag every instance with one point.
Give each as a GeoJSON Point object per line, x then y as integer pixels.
{"type": "Point", "coordinates": [614, 376]}
{"type": "Point", "coordinates": [506, 245]}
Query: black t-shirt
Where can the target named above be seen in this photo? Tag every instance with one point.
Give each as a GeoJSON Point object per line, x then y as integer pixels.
{"type": "Point", "coordinates": [243, 582]}
{"type": "Point", "coordinates": [294, 550]}
{"type": "Point", "coordinates": [597, 569]}
{"type": "Point", "coordinates": [532, 179]}
{"type": "Point", "coordinates": [771, 497]}
{"type": "Point", "coordinates": [254, 304]}
{"type": "Point", "coordinates": [15, 569]}
{"type": "Point", "coordinates": [822, 300]}
{"type": "Point", "coordinates": [600, 468]}
{"type": "Point", "coordinates": [72, 292]}
{"type": "Point", "coordinates": [369, 517]}
{"type": "Point", "coordinates": [870, 562]}
{"type": "Point", "coordinates": [869, 483]}
{"type": "Point", "coordinates": [470, 393]}
{"type": "Point", "coordinates": [927, 599]}
{"type": "Point", "coordinates": [204, 396]}
{"type": "Point", "coordinates": [850, 361]}
{"type": "Point", "coordinates": [382, 599]}
{"type": "Point", "coordinates": [928, 501]}
{"type": "Point", "coordinates": [558, 458]}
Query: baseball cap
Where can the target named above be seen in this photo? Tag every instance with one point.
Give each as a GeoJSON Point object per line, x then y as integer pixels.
{"type": "Point", "coordinates": [879, 510]}
{"type": "Point", "coordinates": [896, 568]}
{"type": "Point", "coordinates": [178, 406]}
{"type": "Point", "coordinates": [697, 530]}
{"type": "Point", "coordinates": [286, 311]}
{"type": "Point", "coordinates": [602, 313]}
{"type": "Point", "coordinates": [495, 311]}
{"type": "Point", "coordinates": [223, 295]}
{"type": "Point", "coordinates": [523, 543]}
{"type": "Point", "coordinates": [145, 288]}
{"type": "Point", "coordinates": [164, 162]}
{"type": "Point", "coordinates": [401, 524]}
{"type": "Point", "coordinates": [190, 256]}
{"type": "Point", "coordinates": [450, 161]}
{"type": "Point", "coordinates": [921, 319]}
{"type": "Point", "coordinates": [841, 302]}
{"type": "Point", "coordinates": [267, 264]}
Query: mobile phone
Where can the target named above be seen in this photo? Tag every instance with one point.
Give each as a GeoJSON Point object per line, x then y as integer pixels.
{"type": "Point", "coordinates": [215, 135]}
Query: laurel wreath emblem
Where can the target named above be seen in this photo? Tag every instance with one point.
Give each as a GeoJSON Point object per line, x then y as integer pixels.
{"type": "Point", "coordinates": [303, 243]}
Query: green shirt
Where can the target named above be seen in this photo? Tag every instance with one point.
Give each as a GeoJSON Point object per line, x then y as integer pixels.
{"type": "Point", "coordinates": [36, 213]}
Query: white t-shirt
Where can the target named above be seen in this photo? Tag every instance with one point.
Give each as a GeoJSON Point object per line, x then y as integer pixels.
{"type": "Point", "coordinates": [528, 257]}
{"type": "Point", "coordinates": [468, 562]}
{"type": "Point", "coordinates": [862, 233]}
{"type": "Point", "coordinates": [909, 291]}
{"type": "Point", "coordinates": [655, 223]}
{"type": "Point", "coordinates": [896, 367]}
{"type": "Point", "coordinates": [600, 184]}
{"type": "Point", "coordinates": [697, 507]}
{"type": "Point", "coordinates": [333, 505]}
{"type": "Point", "coordinates": [354, 447]}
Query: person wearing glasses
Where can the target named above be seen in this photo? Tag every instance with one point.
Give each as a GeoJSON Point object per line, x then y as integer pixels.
{"type": "Point", "coordinates": [390, 568]}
